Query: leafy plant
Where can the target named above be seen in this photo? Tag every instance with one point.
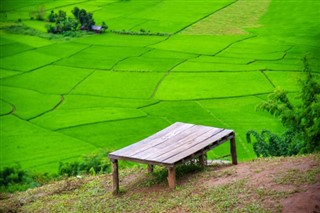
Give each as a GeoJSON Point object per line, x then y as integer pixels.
{"type": "Point", "coordinates": [14, 178]}
{"type": "Point", "coordinates": [90, 164]}
{"type": "Point", "coordinates": [302, 121]}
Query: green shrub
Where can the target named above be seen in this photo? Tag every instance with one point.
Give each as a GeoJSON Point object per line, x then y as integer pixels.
{"type": "Point", "coordinates": [302, 121]}
{"type": "Point", "coordinates": [96, 163]}
{"type": "Point", "coordinates": [16, 179]}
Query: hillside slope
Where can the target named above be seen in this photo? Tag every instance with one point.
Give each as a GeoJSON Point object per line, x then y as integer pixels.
{"type": "Point", "coordinates": [263, 185]}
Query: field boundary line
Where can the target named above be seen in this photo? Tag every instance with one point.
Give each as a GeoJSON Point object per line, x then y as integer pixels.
{"type": "Point", "coordinates": [206, 16]}
{"type": "Point", "coordinates": [82, 80]}
{"type": "Point", "coordinates": [99, 122]}
{"type": "Point", "coordinates": [13, 108]}
{"type": "Point", "coordinates": [232, 43]}
{"type": "Point", "coordinates": [211, 114]}
{"type": "Point", "coordinates": [213, 98]}
{"type": "Point", "coordinates": [265, 75]}
{"type": "Point", "coordinates": [164, 77]}
{"type": "Point", "coordinates": [50, 110]}
{"type": "Point", "coordinates": [121, 60]}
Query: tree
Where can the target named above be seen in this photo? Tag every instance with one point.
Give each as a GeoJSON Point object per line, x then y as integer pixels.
{"type": "Point", "coordinates": [302, 121]}
{"type": "Point", "coordinates": [75, 12]}
{"type": "Point", "coordinates": [86, 19]}
{"type": "Point", "coordinates": [52, 17]}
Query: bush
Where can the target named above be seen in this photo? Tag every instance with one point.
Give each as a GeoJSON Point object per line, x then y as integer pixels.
{"type": "Point", "coordinates": [90, 164]}
{"type": "Point", "coordinates": [302, 121]}
{"type": "Point", "coordinates": [16, 179]}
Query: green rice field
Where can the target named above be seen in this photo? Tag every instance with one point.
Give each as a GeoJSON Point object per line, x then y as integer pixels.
{"type": "Point", "coordinates": [208, 62]}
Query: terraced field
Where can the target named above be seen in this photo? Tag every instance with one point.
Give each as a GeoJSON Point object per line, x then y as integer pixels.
{"type": "Point", "coordinates": [216, 60]}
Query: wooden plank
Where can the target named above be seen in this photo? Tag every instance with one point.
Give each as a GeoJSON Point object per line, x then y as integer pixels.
{"type": "Point", "coordinates": [198, 147]}
{"type": "Point", "coordinates": [188, 145]}
{"type": "Point", "coordinates": [112, 157]}
{"type": "Point", "coordinates": [175, 133]}
{"type": "Point", "coordinates": [163, 133]}
{"type": "Point", "coordinates": [173, 143]}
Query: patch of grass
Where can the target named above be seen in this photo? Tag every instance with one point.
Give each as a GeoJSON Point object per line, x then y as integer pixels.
{"type": "Point", "coordinates": [287, 80]}
{"type": "Point", "coordinates": [222, 60]}
{"type": "Point", "coordinates": [147, 64]}
{"type": "Point", "coordinates": [32, 41]}
{"type": "Point", "coordinates": [37, 148]}
{"type": "Point", "coordinates": [156, 53]}
{"type": "Point", "coordinates": [116, 84]}
{"type": "Point", "coordinates": [60, 119]}
{"type": "Point", "coordinates": [62, 49]}
{"type": "Point", "coordinates": [111, 134]}
{"type": "Point", "coordinates": [50, 79]}
{"type": "Point", "coordinates": [202, 44]}
{"type": "Point", "coordinates": [87, 101]}
{"type": "Point", "coordinates": [13, 48]}
{"type": "Point", "coordinates": [213, 67]}
{"type": "Point", "coordinates": [188, 86]}
{"type": "Point", "coordinates": [101, 57]}
{"type": "Point", "coordinates": [231, 20]}
{"type": "Point", "coordinates": [5, 108]}
{"type": "Point", "coordinates": [25, 64]}
{"type": "Point", "coordinates": [297, 177]}
{"type": "Point", "coordinates": [121, 40]}
{"type": "Point", "coordinates": [28, 103]}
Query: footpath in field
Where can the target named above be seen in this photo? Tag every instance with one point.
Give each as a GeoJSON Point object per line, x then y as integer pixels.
{"type": "Point", "coordinates": [212, 66]}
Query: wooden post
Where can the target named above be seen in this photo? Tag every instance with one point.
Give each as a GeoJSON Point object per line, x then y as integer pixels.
{"type": "Point", "coordinates": [202, 160]}
{"type": "Point", "coordinates": [172, 177]}
{"type": "Point", "coordinates": [150, 168]}
{"type": "Point", "coordinates": [115, 175]}
{"type": "Point", "coordinates": [233, 150]}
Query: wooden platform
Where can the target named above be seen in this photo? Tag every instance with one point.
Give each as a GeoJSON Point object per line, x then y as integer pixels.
{"type": "Point", "coordinates": [173, 145]}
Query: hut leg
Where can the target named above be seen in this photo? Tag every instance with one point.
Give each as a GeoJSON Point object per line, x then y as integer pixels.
{"type": "Point", "coordinates": [115, 175]}
{"type": "Point", "coordinates": [150, 168]}
{"type": "Point", "coordinates": [202, 160]}
{"type": "Point", "coordinates": [233, 151]}
{"type": "Point", "coordinates": [172, 177]}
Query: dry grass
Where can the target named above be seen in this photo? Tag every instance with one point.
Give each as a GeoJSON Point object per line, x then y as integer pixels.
{"type": "Point", "coordinates": [232, 20]}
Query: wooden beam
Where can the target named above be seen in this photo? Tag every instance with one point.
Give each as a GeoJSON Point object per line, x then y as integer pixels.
{"type": "Point", "coordinates": [150, 168]}
{"type": "Point", "coordinates": [172, 177]}
{"type": "Point", "coordinates": [115, 176]}
{"type": "Point", "coordinates": [233, 150]}
{"type": "Point", "coordinates": [202, 160]}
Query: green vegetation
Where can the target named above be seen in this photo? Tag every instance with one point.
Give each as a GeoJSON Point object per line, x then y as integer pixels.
{"type": "Point", "coordinates": [82, 20]}
{"type": "Point", "coordinates": [92, 164]}
{"type": "Point", "coordinates": [16, 179]}
{"type": "Point", "coordinates": [63, 97]}
{"type": "Point", "coordinates": [302, 123]}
